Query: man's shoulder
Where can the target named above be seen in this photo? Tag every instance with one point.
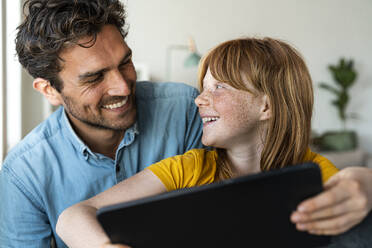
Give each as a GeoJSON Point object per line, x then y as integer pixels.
{"type": "Point", "coordinates": [33, 144]}
{"type": "Point", "coordinates": [155, 90]}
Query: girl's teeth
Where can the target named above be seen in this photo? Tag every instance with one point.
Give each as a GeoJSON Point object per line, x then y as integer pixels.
{"type": "Point", "coordinates": [208, 119]}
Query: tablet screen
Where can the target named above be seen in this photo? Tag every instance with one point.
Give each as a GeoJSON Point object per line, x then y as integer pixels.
{"type": "Point", "coordinates": [247, 211]}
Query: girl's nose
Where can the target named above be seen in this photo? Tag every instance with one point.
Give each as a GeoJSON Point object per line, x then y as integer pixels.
{"type": "Point", "coordinates": [203, 99]}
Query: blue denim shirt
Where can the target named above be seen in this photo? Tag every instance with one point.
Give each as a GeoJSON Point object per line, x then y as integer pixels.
{"type": "Point", "coordinates": [52, 169]}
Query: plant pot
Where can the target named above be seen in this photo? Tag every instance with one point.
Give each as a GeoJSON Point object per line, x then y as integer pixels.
{"type": "Point", "coordinates": [339, 141]}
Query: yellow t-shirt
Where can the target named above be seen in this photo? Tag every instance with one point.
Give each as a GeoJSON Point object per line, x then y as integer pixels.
{"type": "Point", "coordinates": [198, 167]}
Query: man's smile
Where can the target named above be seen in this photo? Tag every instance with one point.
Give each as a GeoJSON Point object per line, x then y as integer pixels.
{"type": "Point", "coordinates": [117, 104]}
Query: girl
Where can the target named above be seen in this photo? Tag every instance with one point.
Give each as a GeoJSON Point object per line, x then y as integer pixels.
{"type": "Point", "coordinates": [256, 105]}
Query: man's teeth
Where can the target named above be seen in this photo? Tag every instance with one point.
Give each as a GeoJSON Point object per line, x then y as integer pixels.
{"type": "Point", "coordinates": [208, 119]}
{"type": "Point", "coordinates": [116, 105]}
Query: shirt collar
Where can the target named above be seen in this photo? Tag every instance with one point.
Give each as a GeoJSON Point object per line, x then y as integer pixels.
{"type": "Point", "coordinates": [76, 141]}
{"type": "Point", "coordinates": [129, 137]}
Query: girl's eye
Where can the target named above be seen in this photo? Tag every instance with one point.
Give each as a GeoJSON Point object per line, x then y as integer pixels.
{"type": "Point", "coordinates": [218, 86]}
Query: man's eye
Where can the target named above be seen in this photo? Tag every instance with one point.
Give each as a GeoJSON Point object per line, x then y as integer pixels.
{"type": "Point", "coordinates": [122, 65]}
{"type": "Point", "coordinates": [95, 80]}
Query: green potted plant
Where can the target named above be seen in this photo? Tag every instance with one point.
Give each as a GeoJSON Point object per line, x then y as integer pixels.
{"type": "Point", "coordinates": [344, 76]}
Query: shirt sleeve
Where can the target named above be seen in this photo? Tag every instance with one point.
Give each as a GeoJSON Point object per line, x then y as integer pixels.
{"type": "Point", "coordinates": [194, 126]}
{"type": "Point", "coordinates": [326, 167]}
{"type": "Point", "coordinates": [195, 167]}
{"type": "Point", "coordinates": [22, 222]}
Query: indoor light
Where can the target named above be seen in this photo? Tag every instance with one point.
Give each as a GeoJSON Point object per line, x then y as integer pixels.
{"type": "Point", "coordinates": [192, 59]}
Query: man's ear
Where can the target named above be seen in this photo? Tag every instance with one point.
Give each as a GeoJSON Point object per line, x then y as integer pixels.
{"type": "Point", "coordinates": [265, 109]}
{"type": "Point", "coordinates": [50, 93]}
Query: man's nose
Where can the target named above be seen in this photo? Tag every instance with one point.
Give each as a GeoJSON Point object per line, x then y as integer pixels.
{"type": "Point", "coordinates": [119, 85]}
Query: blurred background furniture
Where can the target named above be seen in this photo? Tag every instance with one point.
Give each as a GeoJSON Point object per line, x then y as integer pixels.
{"type": "Point", "coordinates": [357, 157]}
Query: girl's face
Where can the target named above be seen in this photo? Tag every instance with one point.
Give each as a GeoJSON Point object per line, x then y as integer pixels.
{"type": "Point", "coordinates": [231, 117]}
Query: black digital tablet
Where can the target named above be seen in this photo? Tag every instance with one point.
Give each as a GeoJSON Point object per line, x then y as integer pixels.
{"type": "Point", "coordinates": [249, 211]}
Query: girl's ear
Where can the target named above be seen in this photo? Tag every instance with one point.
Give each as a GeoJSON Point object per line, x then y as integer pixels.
{"type": "Point", "coordinates": [265, 111]}
{"type": "Point", "coordinates": [50, 93]}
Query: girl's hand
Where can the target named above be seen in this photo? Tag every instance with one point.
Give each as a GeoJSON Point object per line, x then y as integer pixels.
{"type": "Point", "coordinates": [346, 201]}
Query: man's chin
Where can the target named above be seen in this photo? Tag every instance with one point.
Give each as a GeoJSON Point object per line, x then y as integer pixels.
{"type": "Point", "coordinates": [117, 128]}
{"type": "Point", "coordinates": [117, 123]}
{"type": "Point", "coordinates": [122, 126]}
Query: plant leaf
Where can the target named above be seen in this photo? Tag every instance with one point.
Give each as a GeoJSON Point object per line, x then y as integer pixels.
{"type": "Point", "coordinates": [330, 88]}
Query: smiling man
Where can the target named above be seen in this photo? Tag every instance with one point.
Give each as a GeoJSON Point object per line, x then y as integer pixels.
{"type": "Point", "coordinates": [108, 127]}
{"type": "Point", "coordinates": [98, 91]}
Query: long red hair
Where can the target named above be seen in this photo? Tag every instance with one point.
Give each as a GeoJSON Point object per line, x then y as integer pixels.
{"type": "Point", "coordinates": [277, 70]}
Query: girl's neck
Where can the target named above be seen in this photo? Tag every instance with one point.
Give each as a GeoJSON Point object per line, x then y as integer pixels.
{"type": "Point", "coordinates": [246, 160]}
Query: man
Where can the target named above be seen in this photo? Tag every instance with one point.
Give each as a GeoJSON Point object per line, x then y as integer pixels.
{"type": "Point", "coordinates": [108, 128]}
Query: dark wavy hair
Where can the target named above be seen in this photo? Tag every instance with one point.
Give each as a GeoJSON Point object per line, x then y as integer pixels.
{"type": "Point", "coordinates": [52, 25]}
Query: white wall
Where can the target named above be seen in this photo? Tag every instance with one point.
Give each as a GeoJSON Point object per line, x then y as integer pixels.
{"type": "Point", "coordinates": [2, 85]}
{"type": "Point", "coordinates": [12, 76]}
{"type": "Point", "coordinates": [323, 31]}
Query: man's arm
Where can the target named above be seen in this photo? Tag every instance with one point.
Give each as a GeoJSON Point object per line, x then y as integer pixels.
{"type": "Point", "coordinates": [23, 222]}
{"type": "Point", "coordinates": [346, 201]}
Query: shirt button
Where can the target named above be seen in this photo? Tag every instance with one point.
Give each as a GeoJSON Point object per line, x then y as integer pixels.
{"type": "Point", "coordinates": [85, 154]}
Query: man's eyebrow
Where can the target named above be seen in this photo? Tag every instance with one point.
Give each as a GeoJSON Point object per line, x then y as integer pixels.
{"type": "Point", "coordinates": [101, 71]}
{"type": "Point", "coordinates": [92, 74]}
{"type": "Point", "coordinates": [126, 57]}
